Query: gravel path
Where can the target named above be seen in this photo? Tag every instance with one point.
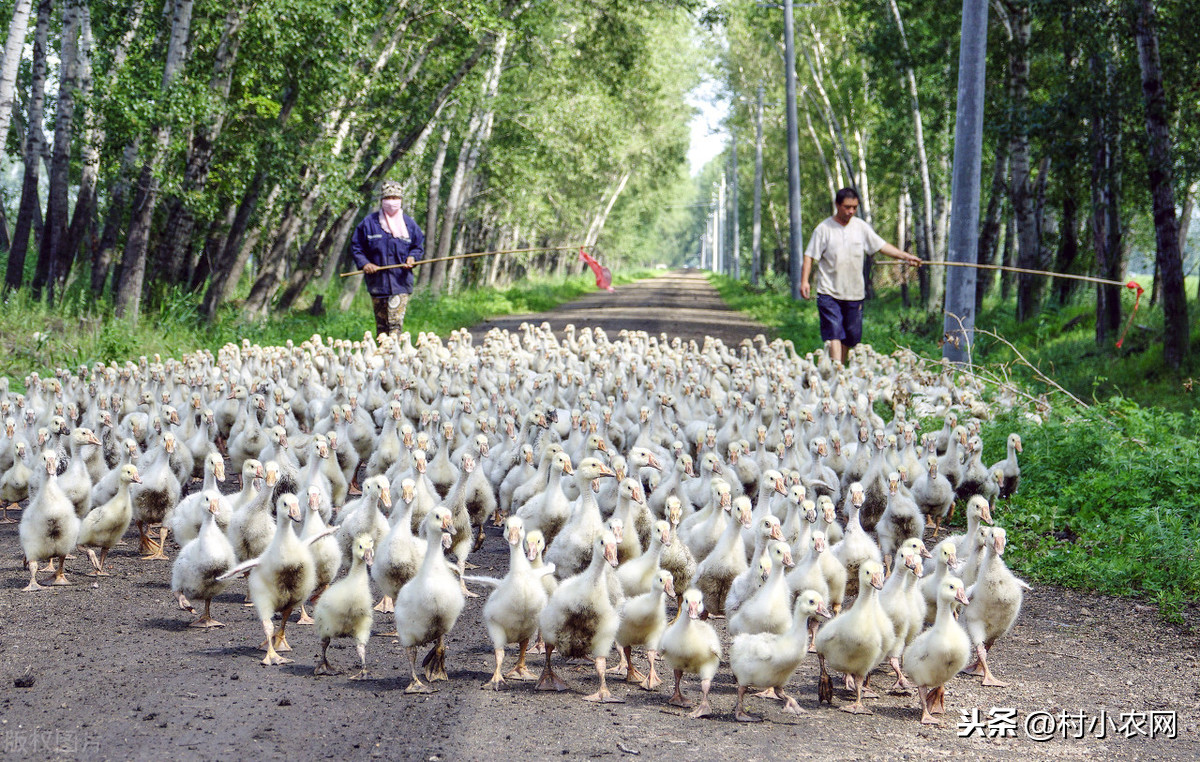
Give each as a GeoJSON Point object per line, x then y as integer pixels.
{"type": "Point", "coordinates": [116, 674]}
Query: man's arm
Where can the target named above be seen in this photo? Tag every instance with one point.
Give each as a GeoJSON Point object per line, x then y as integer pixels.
{"type": "Point", "coordinates": [358, 245]}
{"type": "Point", "coordinates": [903, 256]}
{"type": "Point", "coordinates": [805, 272]}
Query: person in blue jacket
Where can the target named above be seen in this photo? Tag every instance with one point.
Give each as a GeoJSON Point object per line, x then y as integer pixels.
{"type": "Point", "coordinates": [388, 237]}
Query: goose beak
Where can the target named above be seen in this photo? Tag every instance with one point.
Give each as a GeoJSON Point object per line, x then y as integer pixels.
{"type": "Point", "coordinates": [219, 471]}
{"type": "Point", "coordinates": [961, 597]}
{"type": "Point", "coordinates": [694, 608]}
{"type": "Point", "coordinates": [93, 439]}
{"type": "Point", "coordinates": [638, 496]}
{"type": "Point", "coordinates": [823, 610]}
{"type": "Point", "coordinates": [369, 556]}
{"type": "Point", "coordinates": [780, 486]}
{"type": "Point", "coordinates": [386, 496]}
{"type": "Point", "coordinates": [877, 580]}
{"type": "Point", "coordinates": [669, 587]}
{"type": "Point", "coordinates": [294, 512]}
{"type": "Point", "coordinates": [666, 538]}
{"type": "Point", "coordinates": [999, 544]}
{"type": "Point", "coordinates": [986, 514]}
{"type": "Point", "coordinates": [925, 552]}
{"type": "Point", "coordinates": [776, 533]}
{"type": "Point", "coordinates": [136, 479]}
{"type": "Point", "coordinates": [531, 552]}
{"type": "Point", "coordinates": [654, 462]}
{"type": "Point", "coordinates": [514, 536]}
{"type": "Point", "coordinates": [787, 560]}
{"type": "Point", "coordinates": [819, 544]}
{"type": "Point", "coordinates": [610, 554]}
{"type": "Point", "coordinates": [569, 469]}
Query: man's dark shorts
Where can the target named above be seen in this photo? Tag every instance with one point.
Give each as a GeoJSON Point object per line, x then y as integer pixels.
{"type": "Point", "coordinates": [840, 320]}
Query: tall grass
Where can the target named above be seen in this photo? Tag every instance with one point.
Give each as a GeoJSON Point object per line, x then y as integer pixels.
{"type": "Point", "coordinates": [36, 336]}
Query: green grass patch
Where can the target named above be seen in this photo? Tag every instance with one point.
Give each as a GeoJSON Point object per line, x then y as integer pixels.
{"type": "Point", "coordinates": [35, 336]}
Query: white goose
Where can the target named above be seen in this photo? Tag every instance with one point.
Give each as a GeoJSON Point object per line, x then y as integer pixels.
{"type": "Point", "coordinates": [691, 645]}
{"type": "Point", "coordinates": [428, 605]}
{"type": "Point", "coordinates": [939, 653]}
{"type": "Point", "coordinates": [643, 621]}
{"type": "Point", "coordinates": [201, 563]}
{"type": "Point", "coordinates": [344, 610]}
{"type": "Point", "coordinates": [49, 527]}
{"type": "Point", "coordinates": [106, 524]}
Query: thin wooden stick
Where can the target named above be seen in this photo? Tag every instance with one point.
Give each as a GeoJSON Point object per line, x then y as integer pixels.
{"type": "Point", "coordinates": [1006, 268]}
{"type": "Point", "coordinates": [465, 256]}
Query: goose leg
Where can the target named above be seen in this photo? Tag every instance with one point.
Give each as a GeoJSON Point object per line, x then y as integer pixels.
{"type": "Point", "coordinates": [866, 687]}
{"type": "Point", "coordinates": [304, 617]}
{"type": "Point", "coordinates": [272, 658]}
{"type": "Point", "coordinates": [704, 709]}
{"type": "Point", "coordinates": [33, 583]}
{"type": "Point", "coordinates": [361, 649]}
{"type": "Point", "coordinates": [60, 575]}
{"type": "Point", "coordinates": [539, 645]}
{"type": "Point", "coordinates": [435, 661]}
{"type": "Point", "coordinates": [652, 680]}
{"type": "Point", "coordinates": [857, 707]}
{"type": "Point", "coordinates": [497, 678]}
{"type": "Point", "coordinates": [739, 712]}
{"type": "Point", "coordinates": [324, 667]}
{"type": "Point", "coordinates": [416, 686]}
{"type": "Point", "coordinates": [5, 518]}
{"type": "Point", "coordinates": [925, 696]}
{"type": "Point", "coordinates": [988, 678]}
{"type": "Point", "coordinates": [157, 549]}
{"type": "Point", "coordinates": [790, 705]}
{"type": "Point", "coordinates": [813, 624]}
{"type": "Point", "coordinates": [677, 698]}
{"type": "Point", "coordinates": [462, 569]}
{"type": "Point", "coordinates": [769, 693]}
{"type": "Point", "coordinates": [205, 621]}
{"type": "Point", "coordinates": [550, 681]}
{"type": "Point", "coordinates": [281, 643]}
{"type": "Point", "coordinates": [386, 605]}
{"type": "Point", "coordinates": [520, 671]}
{"type": "Point", "coordinates": [631, 672]}
{"type": "Point", "coordinates": [604, 695]}
{"type": "Point", "coordinates": [902, 685]}
{"type": "Point", "coordinates": [824, 685]}
{"type": "Point", "coordinates": [97, 563]}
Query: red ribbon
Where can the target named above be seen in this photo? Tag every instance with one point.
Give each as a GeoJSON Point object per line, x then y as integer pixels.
{"type": "Point", "coordinates": [1132, 286]}
{"type": "Point", "coordinates": [603, 275]}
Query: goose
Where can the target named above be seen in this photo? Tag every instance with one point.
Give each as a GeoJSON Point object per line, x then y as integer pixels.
{"type": "Point", "coordinates": [200, 564]}
{"type": "Point", "coordinates": [192, 510]}
{"type": "Point", "coordinates": [49, 527]}
{"type": "Point", "coordinates": [480, 497]}
{"type": "Point", "coordinates": [715, 574]}
{"type": "Point", "coordinates": [442, 471]}
{"type": "Point", "coordinates": [978, 511]}
{"type": "Point", "coordinates": [701, 535]}
{"type": "Point", "coordinates": [326, 552]}
{"type": "Point", "coordinates": [425, 496]}
{"type": "Point", "coordinates": [1009, 469]}
{"type": "Point", "coordinates": [977, 478]}
{"type": "Point", "coordinates": [767, 610]}
{"type": "Point", "coordinates": [106, 487]}
{"type": "Point", "coordinates": [456, 503]}
{"type": "Point", "coordinates": [524, 471]}
{"type": "Point", "coordinates": [749, 581]}
{"type": "Point", "coordinates": [252, 527]}
{"type": "Point", "coordinates": [363, 516]}
{"type": "Point", "coordinates": [579, 619]}
{"type": "Point", "coordinates": [853, 642]}
{"type": "Point", "coordinates": [827, 520]}
{"type": "Point", "coordinates": [154, 500]}
{"type": "Point", "coordinates": [104, 526]}
{"type": "Point", "coordinates": [951, 463]}
{"type": "Point", "coordinates": [772, 484]}
{"type": "Point", "coordinates": [428, 605]}
{"type": "Point", "coordinates": [400, 554]}
{"type": "Point", "coordinates": [676, 558]}
{"type": "Point", "coordinates": [643, 621]}
{"type": "Point", "coordinates": [945, 557]}
{"type": "Point", "coordinates": [538, 483]}
{"type": "Point", "coordinates": [933, 493]}
{"type": "Point", "coordinates": [14, 483]}
{"type": "Point", "coordinates": [691, 645]}
{"type": "Point", "coordinates": [76, 481]}
{"type": "Point", "coordinates": [938, 654]}
{"type": "Point", "coordinates": [511, 612]}
{"type": "Point", "coordinates": [768, 660]}
{"type": "Point", "coordinates": [800, 515]}
{"type": "Point", "coordinates": [280, 579]}
{"type": "Point", "coordinates": [904, 605]}
{"type": "Point", "coordinates": [569, 549]}
{"type": "Point", "coordinates": [900, 520]}
{"type": "Point", "coordinates": [535, 544]}
{"type": "Point", "coordinates": [344, 609]}
{"type": "Point", "coordinates": [996, 600]}
{"type": "Point", "coordinates": [855, 547]}
{"type": "Point", "coordinates": [810, 574]}
{"type": "Point", "coordinates": [629, 496]}
{"type": "Point", "coordinates": [547, 511]}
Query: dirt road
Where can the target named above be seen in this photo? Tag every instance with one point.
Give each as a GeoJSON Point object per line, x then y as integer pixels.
{"type": "Point", "coordinates": [116, 674]}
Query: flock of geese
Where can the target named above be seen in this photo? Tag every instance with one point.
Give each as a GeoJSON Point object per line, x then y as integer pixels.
{"type": "Point", "coordinates": [627, 476]}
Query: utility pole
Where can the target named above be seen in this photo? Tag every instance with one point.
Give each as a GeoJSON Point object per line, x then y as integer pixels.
{"type": "Point", "coordinates": [734, 230]}
{"type": "Point", "coordinates": [959, 323]}
{"type": "Point", "coordinates": [793, 149]}
{"type": "Point", "coordinates": [756, 230]}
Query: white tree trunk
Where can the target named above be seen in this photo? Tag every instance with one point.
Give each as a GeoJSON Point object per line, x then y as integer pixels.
{"type": "Point", "coordinates": [13, 48]}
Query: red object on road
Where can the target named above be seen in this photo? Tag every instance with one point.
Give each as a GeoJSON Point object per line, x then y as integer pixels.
{"type": "Point", "coordinates": [603, 275]}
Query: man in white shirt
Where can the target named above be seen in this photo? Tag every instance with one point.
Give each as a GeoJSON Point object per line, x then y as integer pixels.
{"type": "Point", "coordinates": [838, 245]}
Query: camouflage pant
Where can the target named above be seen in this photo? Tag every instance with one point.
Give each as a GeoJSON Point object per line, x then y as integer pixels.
{"type": "Point", "coordinates": [389, 313]}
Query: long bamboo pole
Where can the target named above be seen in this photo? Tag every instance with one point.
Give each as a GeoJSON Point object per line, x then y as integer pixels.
{"type": "Point", "coordinates": [1088, 278]}
{"type": "Point", "coordinates": [467, 256]}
